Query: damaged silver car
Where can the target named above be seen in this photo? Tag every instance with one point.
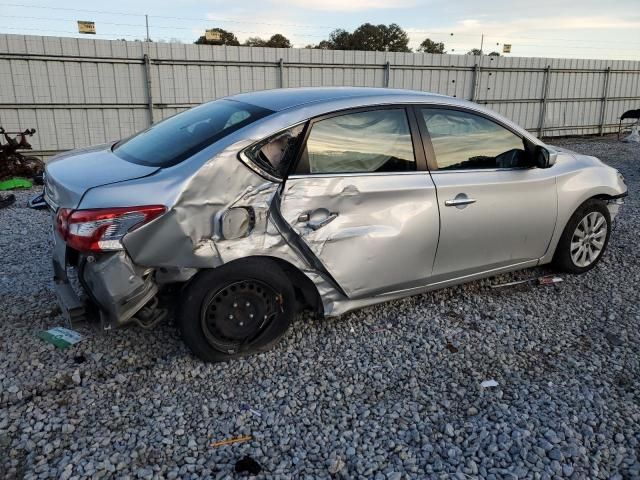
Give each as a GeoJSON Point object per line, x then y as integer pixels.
{"type": "Point", "coordinates": [259, 205]}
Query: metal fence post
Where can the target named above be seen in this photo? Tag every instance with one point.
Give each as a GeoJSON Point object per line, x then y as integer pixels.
{"type": "Point", "coordinates": [281, 66]}
{"type": "Point", "coordinates": [543, 107]}
{"type": "Point", "coordinates": [603, 109]}
{"type": "Point", "coordinates": [147, 71]}
{"type": "Point", "coordinates": [387, 74]}
{"type": "Point", "coordinates": [474, 80]}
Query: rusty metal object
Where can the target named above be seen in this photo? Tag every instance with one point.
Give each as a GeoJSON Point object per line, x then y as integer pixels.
{"type": "Point", "coordinates": [14, 163]}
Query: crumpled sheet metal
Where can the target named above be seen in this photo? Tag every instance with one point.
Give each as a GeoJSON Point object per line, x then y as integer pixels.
{"type": "Point", "coordinates": [120, 287]}
{"type": "Point", "coordinates": [189, 237]}
{"type": "Point", "coordinates": [370, 233]}
{"type": "Point", "coordinates": [183, 237]}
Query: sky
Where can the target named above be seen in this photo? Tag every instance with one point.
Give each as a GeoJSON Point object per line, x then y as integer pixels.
{"type": "Point", "coordinates": [540, 28]}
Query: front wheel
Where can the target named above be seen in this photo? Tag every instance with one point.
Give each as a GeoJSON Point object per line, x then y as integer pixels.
{"type": "Point", "coordinates": [584, 239]}
{"type": "Point", "coordinates": [237, 309]}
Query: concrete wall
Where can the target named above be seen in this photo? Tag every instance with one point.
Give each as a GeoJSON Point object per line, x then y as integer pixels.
{"type": "Point", "coordinates": [78, 92]}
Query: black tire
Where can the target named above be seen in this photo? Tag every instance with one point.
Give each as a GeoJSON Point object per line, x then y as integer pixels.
{"type": "Point", "coordinates": [210, 334]}
{"type": "Point", "coordinates": [562, 258]}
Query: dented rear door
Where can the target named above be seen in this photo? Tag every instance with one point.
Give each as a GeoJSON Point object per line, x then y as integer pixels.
{"type": "Point", "coordinates": [373, 231]}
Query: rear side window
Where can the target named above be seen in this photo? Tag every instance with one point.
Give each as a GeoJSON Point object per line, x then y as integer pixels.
{"type": "Point", "coordinates": [362, 142]}
{"type": "Point", "coordinates": [177, 138]}
{"type": "Point", "coordinates": [276, 152]}
{"type": "Point", "coordinates": [463, 140]}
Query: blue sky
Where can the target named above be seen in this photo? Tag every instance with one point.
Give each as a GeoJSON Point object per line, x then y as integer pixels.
{"type": "Point", "coordinates": [557, 28]}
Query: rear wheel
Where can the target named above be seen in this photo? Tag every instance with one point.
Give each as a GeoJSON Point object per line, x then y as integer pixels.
{"type": "Point", "coordinates": [237, 309]}
{"type": "Point", "coordinates": [584, 239]}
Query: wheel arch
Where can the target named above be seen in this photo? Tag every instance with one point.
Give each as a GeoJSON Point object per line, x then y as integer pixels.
{"type": "Point", "coordinates": [307, 295]}
{"type": "Point", "coordinates": [548, 257]}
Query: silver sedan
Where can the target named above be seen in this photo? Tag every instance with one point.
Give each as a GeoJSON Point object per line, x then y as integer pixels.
{"type": "Point", "coordinates": [250, 208]}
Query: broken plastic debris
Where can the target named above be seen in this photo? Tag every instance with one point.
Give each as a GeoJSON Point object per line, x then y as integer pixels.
{"type": "Point", "coordinates": [7, 200]}
{"type": "Point", "coordinates": [61, 337]}
{"type": "Point", "coordinates": [634, 136]}
{"type": "Point", "coordinates": [452, 348]}
{"type": "Point", "coordinates": [489, 384]}
{"type": "Point", "coordinates": [249, 465]}
{"type": "Point", "coordinates": [247, 407]}
{"type": "Point", "coordinates": [229, 441]}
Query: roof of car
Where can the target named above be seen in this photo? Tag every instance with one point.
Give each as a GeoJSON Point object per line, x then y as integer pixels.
{"type": "Point", "coordinates": [284, 98]}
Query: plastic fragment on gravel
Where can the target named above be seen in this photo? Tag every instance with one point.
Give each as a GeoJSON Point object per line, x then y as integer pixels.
{"type": "Point", "coordinates": [248, 465]}
{"type": "Point", "coordinates": [247, 407]}
{"type": "Point", "coordinates": [489, 384]}
{"type": "Point", "coordinates": [613, 339]}
{"type": "Point", "coordinates": [229, 441]}
{"type": "Point", "coordinates": [634, 136]}
{"type": "Point", "coordinates": [61, 337]}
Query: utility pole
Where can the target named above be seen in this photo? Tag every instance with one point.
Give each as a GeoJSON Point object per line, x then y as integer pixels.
{"type": "Point", "coordinates": [481, 42]}
{"type": "Point", "coordinates": [146, 21]}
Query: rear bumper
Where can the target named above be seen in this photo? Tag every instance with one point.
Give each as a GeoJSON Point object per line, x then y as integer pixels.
{"type": "Point", "coordinates": [72, 307]}
{"type": "Point", "coordinates": [117, 286]}
{"type": "Point", "coordinates": [112, 281]}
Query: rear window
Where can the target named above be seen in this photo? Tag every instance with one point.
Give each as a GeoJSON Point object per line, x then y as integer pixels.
{"type": "Point", "coordinates": [177, 138]}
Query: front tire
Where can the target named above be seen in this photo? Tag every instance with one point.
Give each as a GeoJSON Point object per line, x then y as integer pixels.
{"type": "Point", "coordinates": [237, 309]}
{"type": "Point", "coordinates": [584, 239]}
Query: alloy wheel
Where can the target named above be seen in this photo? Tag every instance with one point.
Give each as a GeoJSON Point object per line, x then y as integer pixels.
{"type": "Point", "coordinates": [587, 241]}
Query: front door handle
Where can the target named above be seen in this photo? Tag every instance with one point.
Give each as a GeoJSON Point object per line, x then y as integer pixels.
{"type": "Point", "coordinates": [461, 201]}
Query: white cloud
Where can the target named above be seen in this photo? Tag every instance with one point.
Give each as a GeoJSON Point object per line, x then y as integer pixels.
{"type": "Point", "coordinates": [351, 5]}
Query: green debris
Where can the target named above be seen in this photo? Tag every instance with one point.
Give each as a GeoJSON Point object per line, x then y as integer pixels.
{"type": "Point", "coordinates": [60, 337]}
{"type": "Point", "coordinates": [14, 183]}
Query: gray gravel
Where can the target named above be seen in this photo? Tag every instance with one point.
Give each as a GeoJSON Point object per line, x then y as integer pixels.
{"type": "Point", "coordinates": [387, 392]}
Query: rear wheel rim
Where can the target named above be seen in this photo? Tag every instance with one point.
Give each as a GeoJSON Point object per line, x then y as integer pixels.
{"type": "Point", "coordinates": [235, 315]}
{"type": "Point", "coordinates": [588, 239]}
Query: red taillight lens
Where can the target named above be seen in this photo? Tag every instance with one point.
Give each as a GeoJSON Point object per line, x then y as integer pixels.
{"type": "Point", "coordinates": [102, 229]}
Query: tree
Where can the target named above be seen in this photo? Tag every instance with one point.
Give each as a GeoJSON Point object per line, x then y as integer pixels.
{"type": "Point", "coordinates": [368, 37]}
{"type": "Point", "coordinates": [477, 51]}
{"type": "Point", "coordinates": [429, 46]}
{"type": "Point", "coordinates": [339, 39]}
{"type": "Point", "coordinates": [395, 38]}
{"type": "Point", "coordinates": [278, 41]}
{"type": "Point", "coordinates": [254, 42]}
{"type": "Point", "coordinates": [226, 38]}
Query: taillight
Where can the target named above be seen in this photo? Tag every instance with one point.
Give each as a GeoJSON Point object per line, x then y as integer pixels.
{"type": "Point", "coordinates": [101, 230]}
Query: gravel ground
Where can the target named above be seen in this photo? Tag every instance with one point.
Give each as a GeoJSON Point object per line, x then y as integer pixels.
{"type": "Point", "coordinates": [388, 392]}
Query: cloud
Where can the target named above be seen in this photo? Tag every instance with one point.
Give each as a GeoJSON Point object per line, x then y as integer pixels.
{"type": "Point", "coordinates": [351, 5]}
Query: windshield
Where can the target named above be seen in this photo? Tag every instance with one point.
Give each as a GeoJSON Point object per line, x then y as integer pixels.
{"type": "Point", "coordinates": [177, 138]}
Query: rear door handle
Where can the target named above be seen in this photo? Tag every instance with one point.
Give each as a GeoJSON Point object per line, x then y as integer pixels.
{"type": "Point", "coordinates": [317, 218]}
{"type": "Point", "coordinates": [315, 225]}
{"type": "Point", "coordinates": [460, 201]}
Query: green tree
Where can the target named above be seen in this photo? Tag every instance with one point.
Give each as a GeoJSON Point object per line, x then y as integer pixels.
{"type": "Point", "coordinates": [368, 37]}
{"type": "Point", "coordinates": [429, 46]}
{"type": "Point", "coordinates": [254, 42]}
{"type": "Point", "coordinates": [278, 41]}
{"type": "Point", "coordinates": [477, 51]}
{"type": "Point", "coordinates": [226, 38]}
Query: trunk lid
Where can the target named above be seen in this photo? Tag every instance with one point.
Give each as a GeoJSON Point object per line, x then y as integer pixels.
{"type": "Point", "coordinates": [69, 175]}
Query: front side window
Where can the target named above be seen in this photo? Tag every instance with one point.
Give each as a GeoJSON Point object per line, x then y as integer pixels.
{"type": "Point", "coordinates": [362, 142]}
{"type": "Point", "coordinates": [177, 138]}
{"type": "Point", "coordinates": [462, 140]}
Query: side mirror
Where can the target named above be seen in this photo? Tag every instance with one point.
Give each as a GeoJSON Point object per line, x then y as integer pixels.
{"type": "Point", "coordinates": [543, 158]}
